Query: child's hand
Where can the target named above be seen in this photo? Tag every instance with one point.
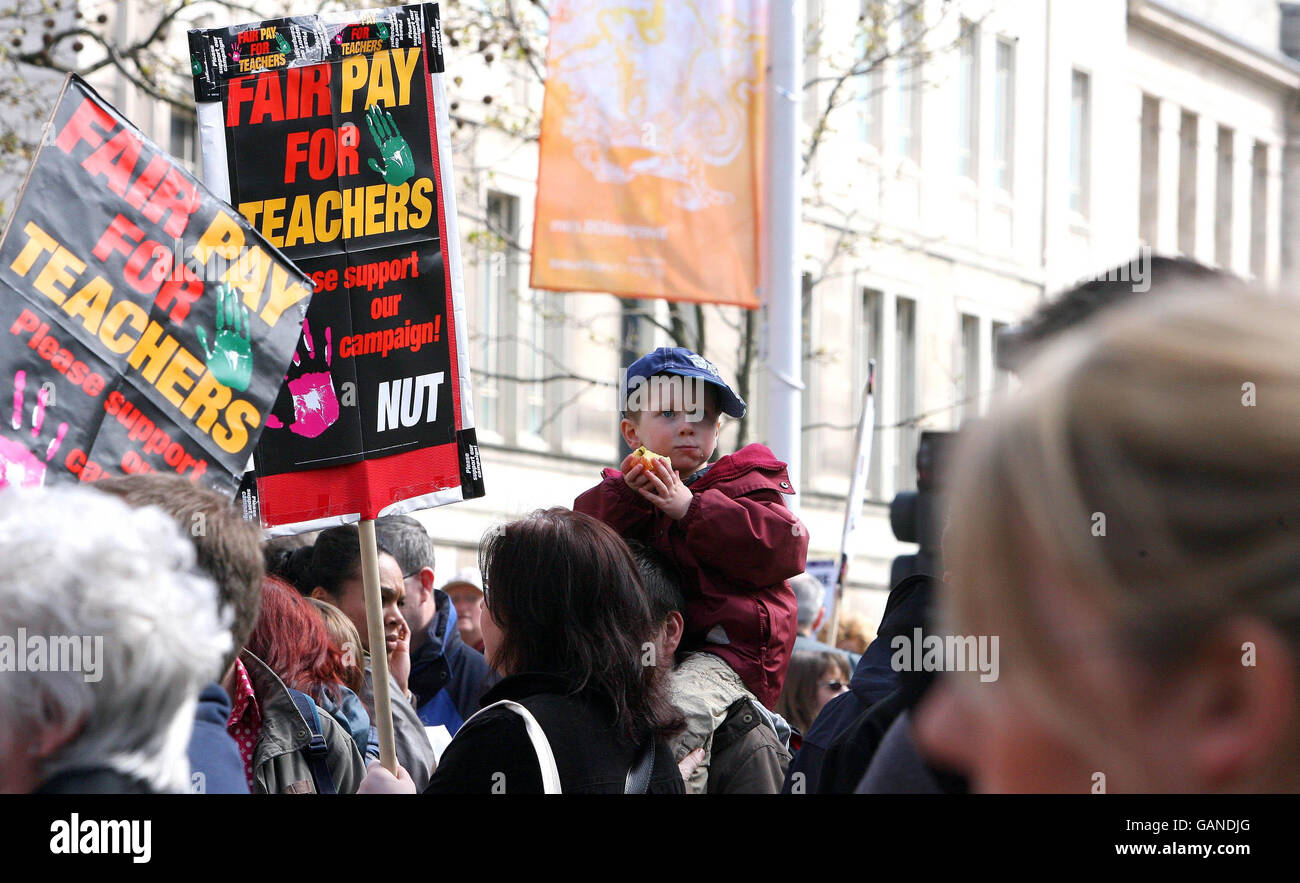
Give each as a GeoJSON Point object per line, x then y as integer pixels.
{"type": "Point", "coordinates": [634, 473]}
{"type": "Point", "coordinates": [664, 488]}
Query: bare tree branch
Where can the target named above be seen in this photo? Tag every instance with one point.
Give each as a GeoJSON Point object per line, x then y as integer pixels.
{"type": "Point", "coordinates": [549, 378]}
{"type": "Point", "coordinates": [525, 45]}
{"type": "Point", "coordinates": [912, 46]}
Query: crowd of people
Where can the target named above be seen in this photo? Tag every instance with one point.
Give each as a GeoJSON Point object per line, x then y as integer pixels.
{"type": "Point", "coordinates": [1123, 525]}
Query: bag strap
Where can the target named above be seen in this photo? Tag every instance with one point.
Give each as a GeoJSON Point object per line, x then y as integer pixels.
{"type": "Point", "coordinates": [536, 735]}
{"type": "Point", "coordinates": [638, 777]}
{"type": "Point", "coordinates": [317, 750]}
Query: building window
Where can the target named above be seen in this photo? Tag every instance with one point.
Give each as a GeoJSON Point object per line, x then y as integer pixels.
{"type": "Point", "coordinates": [1004, 116]}
{"type": "Point", "coordinates": [870, 90]}
{"type": "Point", "coordinates": [870, 344]}
{"type": "Point", "coordinates": [1001, 377]}
{"type": "Point", "coordinates": [908, 67]}
{"type": "Point", "coordinates": [1223, 198]}
{"type": "Point", "coordinates": [1258, 209]}
{"type": "Point", "coordinates": [969, 364]}
{"type": "Point", "coordinates": [535, 329]}
{"type": "Point", "coordinates": [905, 393]}
{"type": "Point", "coordinates": [968, 101]}
{"type": "Point", "coordinates": [184, 138]}
{"type": "Point", "coordinates": [1080, 139]}
{"type": "Point", "coordinates": [1187, 184]}
{"type": "Point", "coordinates": [870, 85]}
{"type": "Point", "coordinates": [500, 276]}
{"type": "Point", "coordinates": [809, 411]}
{"type": "Point", "coordinates": [813, 37]}
{"type": "Point", "coordinates": [1149, 195]}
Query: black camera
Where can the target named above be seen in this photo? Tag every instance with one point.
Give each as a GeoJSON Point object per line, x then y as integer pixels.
{"type": "Point", "coordinates": [917, 516]}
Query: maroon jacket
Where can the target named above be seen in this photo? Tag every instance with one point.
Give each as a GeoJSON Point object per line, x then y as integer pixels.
{"type": "Point", "coordinates": [736, 546]}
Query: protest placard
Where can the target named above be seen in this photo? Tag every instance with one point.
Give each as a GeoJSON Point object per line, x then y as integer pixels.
{"type": "Point", "coordinates": [330, 133]}
{"type": "Point", "coordinates": [147, 326]}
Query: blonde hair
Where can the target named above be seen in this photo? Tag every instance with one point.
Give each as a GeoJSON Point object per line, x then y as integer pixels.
{"type": "Point", "coordinates": [1150, 461]}
{"type": "Point", "coordinates": [853, 627]}
{"type": "Point", "coordinates": [344, 635]}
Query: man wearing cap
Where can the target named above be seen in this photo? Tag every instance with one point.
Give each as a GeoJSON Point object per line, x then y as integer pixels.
{"type": "Point", "coordinates": [725, 525]}
{"type": "Point", "coordinates": [466, 592]}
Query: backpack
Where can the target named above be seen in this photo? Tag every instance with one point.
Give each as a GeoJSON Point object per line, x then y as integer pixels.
{"type": "Point", "coordinates": [317, 750]}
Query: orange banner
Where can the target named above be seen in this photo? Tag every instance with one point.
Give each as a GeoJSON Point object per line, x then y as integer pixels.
{"type": "Point", "coordinates": [651, 149]}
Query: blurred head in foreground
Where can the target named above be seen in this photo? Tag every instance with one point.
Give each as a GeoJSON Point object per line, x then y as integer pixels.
{"type": "Point", "coordinates": [1129, 526]}
{"type": "Point", "coordinates": [117, 632]}
{"type": "Point", "coordinates": [227, 548]}
{"type": "Point", "coordinates": [1146, 274]}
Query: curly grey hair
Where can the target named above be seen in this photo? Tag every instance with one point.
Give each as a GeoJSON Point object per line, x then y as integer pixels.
{"type": "Point", "coordinates": [82, 567]}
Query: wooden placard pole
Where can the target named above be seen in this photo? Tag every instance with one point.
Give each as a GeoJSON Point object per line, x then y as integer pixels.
{"type": "Point", "coordinates": [378, 646]}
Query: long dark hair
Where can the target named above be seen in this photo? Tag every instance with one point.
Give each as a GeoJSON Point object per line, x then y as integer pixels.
{"type": "Point", "coordinates": [564, 590]}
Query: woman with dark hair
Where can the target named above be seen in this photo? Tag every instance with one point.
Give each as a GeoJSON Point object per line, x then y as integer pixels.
{"type": "Point", "coordinates": [292, 640]}
{"type": "Point", "coordinates": [567, 625]}
{"type": "Point", "coordinates": [290, 561]}
{"type": "Point", "coordinates": [335, 577]}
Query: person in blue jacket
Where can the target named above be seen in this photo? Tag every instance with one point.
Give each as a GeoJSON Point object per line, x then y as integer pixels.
{"type": "Point", "coordinates": [214, 756]}
{"type": "Point", "coordinates": [448, 677]}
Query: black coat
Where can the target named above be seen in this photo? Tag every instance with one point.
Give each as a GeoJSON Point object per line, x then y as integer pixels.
{"type": "Point", "coordinates": [873, 681]}
{"type": "Point", "coordinates": [492, 753]}
{"type": "Point", "coordinates": [97, 780]}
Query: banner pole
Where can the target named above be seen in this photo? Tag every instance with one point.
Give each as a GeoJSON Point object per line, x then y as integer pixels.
{"type": "Point", "coordinates": [857, 491]}
{"type": "Point", "coordinates": [378, 646]}
{"type": "Point", "coordinates": [781, 348]}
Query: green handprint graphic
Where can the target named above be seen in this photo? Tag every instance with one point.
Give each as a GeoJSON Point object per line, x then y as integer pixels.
{"type": "Point", "coordinates": [196, 64]}
{"type": "Point", "coordinates": [381, 31]}
{"type": "Point", "coordinates": [231, 359]}
{"type": "Point", "coordinates": [399, 164]}
{"type": "Point", "coordinates": [282, 44]}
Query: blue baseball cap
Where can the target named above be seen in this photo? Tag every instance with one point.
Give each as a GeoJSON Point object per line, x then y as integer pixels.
{"type": "Point", "coordinates": [683, 363]}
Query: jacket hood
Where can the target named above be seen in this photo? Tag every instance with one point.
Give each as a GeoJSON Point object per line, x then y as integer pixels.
{"type": "Point", "coordinates": [214, 705]}
{"type": "Point", "coordinates": [907, 608]}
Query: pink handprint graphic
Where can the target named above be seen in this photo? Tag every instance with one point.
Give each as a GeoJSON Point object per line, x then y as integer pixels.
{"type": "Point", "coordinates": [20, 467]}
{"type": "Point", "coordinates": [315, 404]}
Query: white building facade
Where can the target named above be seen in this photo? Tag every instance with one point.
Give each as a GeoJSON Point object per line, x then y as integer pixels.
{"type": "Point", "coordinates": [1036, 142]}
{"type": "Point", "coordinates": [1039, 142]}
